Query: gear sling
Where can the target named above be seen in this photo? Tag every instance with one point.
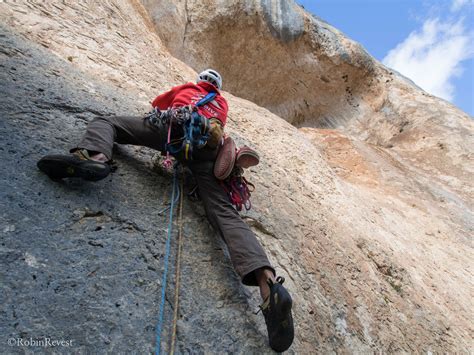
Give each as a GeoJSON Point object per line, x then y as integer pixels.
{"type": "Point", "coordinates": [195, 128]}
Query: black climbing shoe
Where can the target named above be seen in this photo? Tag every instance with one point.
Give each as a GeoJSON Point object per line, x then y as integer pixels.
{"type": "Point", "coordinates": [277, 312]}
{"type": "Point", "coordinates": [77, 164]}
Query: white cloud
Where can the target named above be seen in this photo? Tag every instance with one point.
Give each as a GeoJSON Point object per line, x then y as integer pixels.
{"type": "Point", "coordinates": [458, 4]}
{"type": "Point", "coordinates": [432, 56]}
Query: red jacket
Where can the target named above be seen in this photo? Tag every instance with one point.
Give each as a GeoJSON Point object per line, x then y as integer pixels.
{"type": "Point", "coordinates": [191, 93]}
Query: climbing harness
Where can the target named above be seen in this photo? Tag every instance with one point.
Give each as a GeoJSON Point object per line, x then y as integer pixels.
{"type": "Point", "coordinates": [195, 128]}
{"type": "Point", "coordinates": [238, 189]}
{"type": "Point", "coordinates": [196, 133]}
{"type": "Point", "coordinates": [175, 195]}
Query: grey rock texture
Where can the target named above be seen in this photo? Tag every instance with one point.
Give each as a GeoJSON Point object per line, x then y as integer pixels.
{"type": "Point", "coordinates": [282, 19]}
{"type": "Point", "coordinates": [369, 218]}
{"type": "Point", "coordinates": [83, 261]}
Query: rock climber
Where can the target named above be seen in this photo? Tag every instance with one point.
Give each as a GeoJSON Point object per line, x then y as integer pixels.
{"type": "Point", "coordinates": [90, 160]}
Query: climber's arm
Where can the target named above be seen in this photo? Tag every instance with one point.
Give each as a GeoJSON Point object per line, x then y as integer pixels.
{"type": "Point", "coordinates": [165, 100]}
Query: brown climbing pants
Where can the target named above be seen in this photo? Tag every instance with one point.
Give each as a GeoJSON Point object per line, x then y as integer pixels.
{"type": "Point", "coordinates": [246, 253]}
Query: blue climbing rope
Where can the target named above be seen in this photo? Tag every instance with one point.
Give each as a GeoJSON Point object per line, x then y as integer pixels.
{"type": "Point", "coordinates": [167, 254]}
{"type": "Point", "coordinates": [176, 198]}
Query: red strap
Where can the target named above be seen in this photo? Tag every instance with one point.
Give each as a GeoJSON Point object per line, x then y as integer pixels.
{"type": "Point", "coordinates": [239, 191]}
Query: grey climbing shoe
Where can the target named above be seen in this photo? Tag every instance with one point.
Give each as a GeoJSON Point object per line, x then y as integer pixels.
{"type": "Point", "coordinates": [246, 157]}
{"type": "Point", "coordinates": [77, 164]}
{"type": "Point", "coordinates": [225, 159]}
{"type": "Point", "coordinates": [277, 312]}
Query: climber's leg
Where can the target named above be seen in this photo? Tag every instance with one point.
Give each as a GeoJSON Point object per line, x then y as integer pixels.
{"type": "Point", "coordinates": [102, 132]}
{"type": "Point", "coordinates": [246, 253]}
{"type": "Point", "coordinates": [247, 256]}
{"type": "Point", "coordinates": [89, 158]}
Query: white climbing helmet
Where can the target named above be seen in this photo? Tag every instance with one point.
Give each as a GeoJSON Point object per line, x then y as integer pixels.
{"type": "Point", "coordinates": [211, 76]}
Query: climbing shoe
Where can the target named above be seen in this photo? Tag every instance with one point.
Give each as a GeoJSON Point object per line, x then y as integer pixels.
{"type": "Point", "coordinates": [246, 157]}
{"type": "Point", "coordinates": [225, 159]}
{"type": "Point", "coordinates": [77, 164]}
{"type": "Point", "coordinates": [277, 312]}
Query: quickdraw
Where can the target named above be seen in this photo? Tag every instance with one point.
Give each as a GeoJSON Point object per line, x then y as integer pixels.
{"type": "Point", "coordinates": [195, 131]}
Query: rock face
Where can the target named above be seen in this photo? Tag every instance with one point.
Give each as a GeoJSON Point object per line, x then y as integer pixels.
{"type": "Point", "coordinates": [363, 200]}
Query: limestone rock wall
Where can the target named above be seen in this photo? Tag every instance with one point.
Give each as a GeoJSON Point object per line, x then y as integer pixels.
{"type": "Point", "coordinates": [302, 69]}
{"type": "Point", "coordinates": [276, 55]}
{"type": "Point", "coordinates": [370, 223]}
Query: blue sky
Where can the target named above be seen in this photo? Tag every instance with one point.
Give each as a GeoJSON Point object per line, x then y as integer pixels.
{"type": "Point", "coordinates": [431, 42]}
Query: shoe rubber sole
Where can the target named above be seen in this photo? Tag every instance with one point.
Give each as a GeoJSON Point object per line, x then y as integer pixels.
{"type": "Point", "coordinates": [284, 303]}
{"type": "Point", "coordinates": [225, 160]}
{"type": "Point", "coordinates": [246, 158]}
{"type": "Point", "coordinates": [62, 166]}
{"type": "Point", "coordinates": [282, 334]}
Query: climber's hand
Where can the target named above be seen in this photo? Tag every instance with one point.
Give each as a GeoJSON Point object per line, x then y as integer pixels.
{"type": "Point", "coordinates": [216, 131]}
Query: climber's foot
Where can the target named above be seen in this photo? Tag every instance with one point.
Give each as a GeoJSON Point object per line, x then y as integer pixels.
{"type": "Point", "coordinates": [77, 164]}
{"type": "Point", "coordinates": [277, 312]}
